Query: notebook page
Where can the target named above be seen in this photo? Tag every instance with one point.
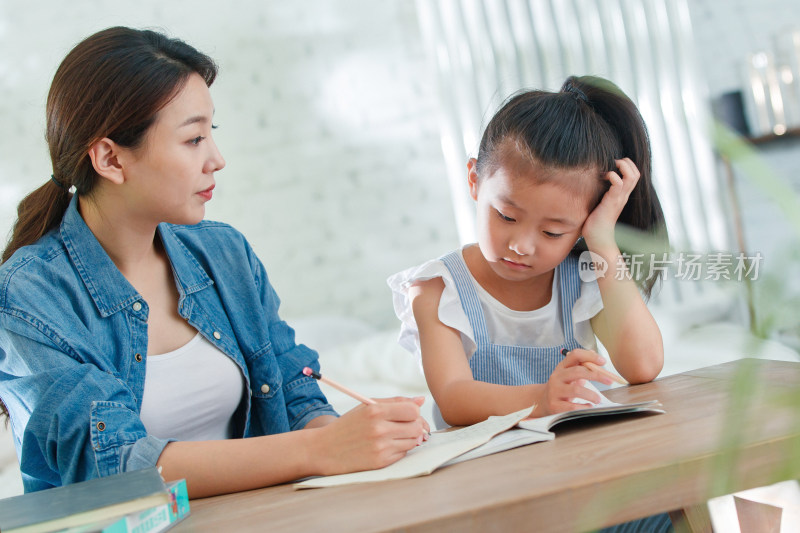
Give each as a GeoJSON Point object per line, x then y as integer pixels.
{"type": "Point", "coordinates": [429, 456]}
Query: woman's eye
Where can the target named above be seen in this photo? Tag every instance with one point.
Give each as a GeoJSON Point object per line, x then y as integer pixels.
{"type": "Point", "coordinates": [553, 235]}
{"type": "Point", "coordinates": [503, 217]}
{"type": "Point", "coordinates": [197, 140]}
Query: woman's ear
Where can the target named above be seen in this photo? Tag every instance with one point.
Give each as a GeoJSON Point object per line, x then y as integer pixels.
{"type": "Point", "coordinates": [104, 155]}
{"type": "Point", "coordinates": [472, 177]}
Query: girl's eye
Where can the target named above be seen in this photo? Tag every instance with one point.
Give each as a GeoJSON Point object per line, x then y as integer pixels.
{"type": "Point", "coordinates": [197, 140]}
{"type": "Point", "coordinates": [503, 217]}
{"type": "Point", "coordinates": [553, 235]}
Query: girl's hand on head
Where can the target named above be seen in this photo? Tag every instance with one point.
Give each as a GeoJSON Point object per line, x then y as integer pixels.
{"type": "Point", "coordinates": [371, 436]}
{"type": "Point", "coordinates": [598, 230]}
{"type": "Point", "coordinates": [568, 380]}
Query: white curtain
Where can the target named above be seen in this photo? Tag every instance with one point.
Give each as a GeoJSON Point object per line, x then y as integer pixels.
{"type": "Point", "coordinates": [484, 51]}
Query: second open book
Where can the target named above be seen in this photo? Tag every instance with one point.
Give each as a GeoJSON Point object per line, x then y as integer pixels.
{"type": "Point", "coordinates": [496, 434]}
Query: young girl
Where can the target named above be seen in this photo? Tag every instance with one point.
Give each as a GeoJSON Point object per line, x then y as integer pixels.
{"type": "Point", "coordinates": [132, 333]}
{"type": "Point", "coordinates": [507, 322]}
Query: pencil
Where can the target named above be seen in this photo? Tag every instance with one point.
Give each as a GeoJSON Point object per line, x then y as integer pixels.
{"type": "Point", "coordinates": [610, 375]}
{"type": "Point", "coordinates": [353, 394]}
{"type": "Point", "coordinates": [591, 366]}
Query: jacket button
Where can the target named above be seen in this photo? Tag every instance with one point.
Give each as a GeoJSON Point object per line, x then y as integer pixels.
{"type": "Point", "coordinates": [217, 335]}
{"type": "Point", "coordinates": [265, 388]}
{"type": "Point", "coordinates": [101, 426]}
{"type": "Point", "coordinates": [137, 306]}
{"type": "Point", "coordinates": [138, 357]}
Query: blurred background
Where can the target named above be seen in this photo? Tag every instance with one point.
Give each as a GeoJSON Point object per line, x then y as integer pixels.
{"type": "Point", "coordinates": [346, 126]}
{"type": "Point", "coordinates": [331, 120]}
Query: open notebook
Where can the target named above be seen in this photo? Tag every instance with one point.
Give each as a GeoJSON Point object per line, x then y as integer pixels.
{"type": "Point", "coordinates": [533, 430]}
{"type": "Point", "coordinates": [496, 434]}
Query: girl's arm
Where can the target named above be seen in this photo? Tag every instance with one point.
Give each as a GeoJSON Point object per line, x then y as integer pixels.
{"type": "Point", "coordinates": [624, 326]}
{"type": "Point", "coordinates": [463, 400]}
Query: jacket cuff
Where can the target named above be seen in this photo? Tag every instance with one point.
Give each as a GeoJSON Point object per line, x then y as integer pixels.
{"type": "Point", "coordinates": [143, 453]}
{"type": "Point", "coordinates": [312, 412]}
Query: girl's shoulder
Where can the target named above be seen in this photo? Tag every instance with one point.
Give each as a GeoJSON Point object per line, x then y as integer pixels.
{"type": "Point", "coordinates": [432, 269]}
{"type": "Point", "coordinates": [443, 295]}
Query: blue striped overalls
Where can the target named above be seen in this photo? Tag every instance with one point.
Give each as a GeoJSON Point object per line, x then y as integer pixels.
{"type": "Point", "coordinates": [514, 365]}
{"type": "Point", "coordinates": [520, 365]}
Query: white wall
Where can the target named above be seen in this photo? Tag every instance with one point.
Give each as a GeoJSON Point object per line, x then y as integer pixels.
{"type": "Point", "coordinates": [726, 31]}
{"type": "Point", "coordinates": [327, 121]}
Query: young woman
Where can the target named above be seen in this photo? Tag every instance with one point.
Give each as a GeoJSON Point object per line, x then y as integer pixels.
{"type": "Point", "coordinates": [132, 332]}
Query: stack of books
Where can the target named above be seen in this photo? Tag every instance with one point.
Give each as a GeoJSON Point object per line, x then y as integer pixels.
{"type": "Point", "coordinates": [137, 501]}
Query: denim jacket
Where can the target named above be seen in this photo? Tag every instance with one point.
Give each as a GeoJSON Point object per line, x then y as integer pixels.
{"type": "Point", "coordinates": [73, 340]}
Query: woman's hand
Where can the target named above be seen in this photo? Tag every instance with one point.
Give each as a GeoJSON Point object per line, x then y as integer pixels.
{"type": "Point", "coordinates": [567, 383]}
{"type": "Point", "coordinates": [598, 230]}
{"type": "Point", "coordinates": [371, 436]}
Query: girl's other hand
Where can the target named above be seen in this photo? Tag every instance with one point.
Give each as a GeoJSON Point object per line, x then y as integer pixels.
{"type": "Point", "coordinates": [568, 380]}
{"type": "Point", "coordinates": [371, 436]}
{"type": "Point", "coordinates": [598, 230]}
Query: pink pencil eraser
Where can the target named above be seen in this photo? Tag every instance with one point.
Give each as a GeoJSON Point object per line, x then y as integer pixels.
{"type": "Point", "coordinates": [307, 371]}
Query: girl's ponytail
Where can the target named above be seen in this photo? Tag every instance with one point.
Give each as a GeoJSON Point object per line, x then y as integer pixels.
{"type": "Point", "coordinates": [643, 210]}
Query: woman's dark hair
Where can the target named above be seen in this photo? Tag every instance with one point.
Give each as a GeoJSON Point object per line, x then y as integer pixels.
{"type": "Point", "coordinates": [587, 124]}
{"type": "Point", "coordinates": [112, 84]}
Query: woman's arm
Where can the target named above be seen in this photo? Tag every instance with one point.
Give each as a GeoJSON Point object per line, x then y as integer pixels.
{"type": "Point", "coordinates": [464, 400]}
{"type": "Point", "coordinates": [78, 422]}
{"type": "Point", "coordinates": [368, 437]}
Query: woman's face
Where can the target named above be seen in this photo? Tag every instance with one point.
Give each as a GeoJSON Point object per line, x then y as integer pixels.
{"type": "Point", "coordinates": [170, 177]}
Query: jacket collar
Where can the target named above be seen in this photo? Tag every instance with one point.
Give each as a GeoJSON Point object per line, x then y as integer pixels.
{"type": "Point", "coordinates": [109, 289]}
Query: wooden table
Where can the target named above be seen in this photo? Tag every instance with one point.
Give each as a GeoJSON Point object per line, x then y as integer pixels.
{"type": "Point", "coordinates": [709, 443]}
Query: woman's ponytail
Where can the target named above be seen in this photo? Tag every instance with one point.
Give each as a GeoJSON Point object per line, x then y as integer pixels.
{"type": "Point", "coordinates": [37, 213]}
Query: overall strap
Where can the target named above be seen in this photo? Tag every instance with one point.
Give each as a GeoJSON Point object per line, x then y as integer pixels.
{"type": "Point", "coordinates": [468, 295]}
{"type": "Point", "coordinates": [570, 291]}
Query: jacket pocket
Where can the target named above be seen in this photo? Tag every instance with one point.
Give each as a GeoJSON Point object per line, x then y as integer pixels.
{"type": "Point", "coordinates": [265, 376]}
{"type": "Point", "coordinates": [113, 427]}
{"type": "Point", "coordinates": [109, 422]}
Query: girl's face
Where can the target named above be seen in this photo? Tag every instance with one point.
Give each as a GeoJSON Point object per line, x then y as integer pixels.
{"type": "Point", "coordinates": [526, 227]}
{"type": "Point", "coordinates": [171, 176]}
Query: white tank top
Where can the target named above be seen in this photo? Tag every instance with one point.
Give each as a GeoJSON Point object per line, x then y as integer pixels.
{"type": "Point", "coordinates": [191, 393]}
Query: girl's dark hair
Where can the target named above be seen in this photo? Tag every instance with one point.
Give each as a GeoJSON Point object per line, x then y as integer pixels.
{"type": "Point", "coordinates": [587, 124]}
{"type": "Point", "coordinates": [112, 84]}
